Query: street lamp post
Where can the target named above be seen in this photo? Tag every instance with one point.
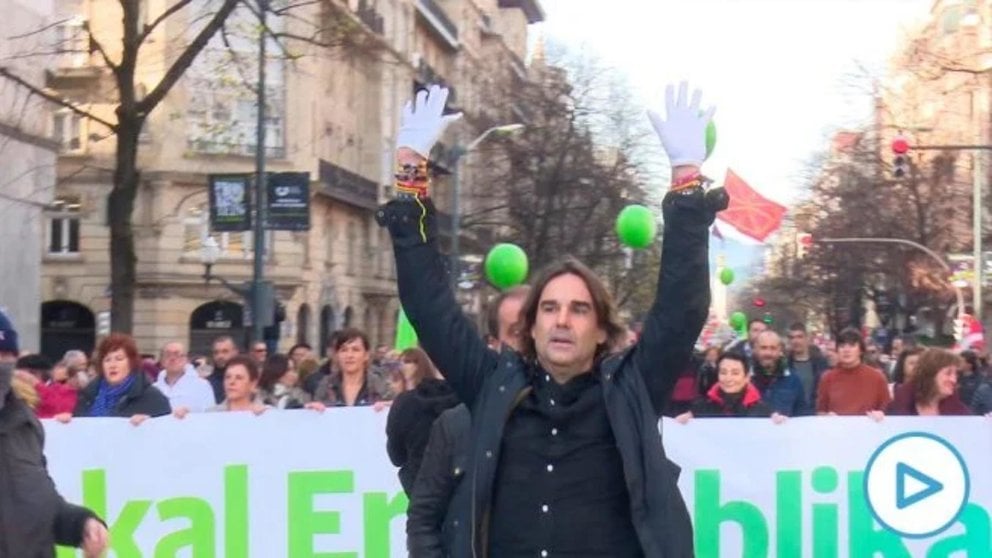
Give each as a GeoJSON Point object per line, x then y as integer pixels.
{"type": "Point", "coordinates": [457, 152]}
{"type": "Point", "coordinates": [258, 294]}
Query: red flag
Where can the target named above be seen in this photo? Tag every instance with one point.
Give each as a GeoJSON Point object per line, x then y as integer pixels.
{"type": "Point", "coordinates": [749, 212]}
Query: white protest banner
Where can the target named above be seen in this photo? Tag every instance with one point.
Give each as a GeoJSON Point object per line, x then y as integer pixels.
{"type": "Point", "coordinates": [307, 485]}
{"type": "Point", "coordinates": [798, 489]}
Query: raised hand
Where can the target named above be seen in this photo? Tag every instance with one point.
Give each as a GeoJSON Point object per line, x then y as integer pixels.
{"type": "Point", "coordinates": [683, 132]}
{"type": "Point", "coordinates": [424, 121]}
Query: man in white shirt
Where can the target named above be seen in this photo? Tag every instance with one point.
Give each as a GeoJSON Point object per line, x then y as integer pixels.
{"type": "Point", "coordinates": [186, 390]}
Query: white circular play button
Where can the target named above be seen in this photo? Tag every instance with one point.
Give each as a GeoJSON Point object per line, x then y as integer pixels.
{"type": "Point", "coordinates": [916, 484]}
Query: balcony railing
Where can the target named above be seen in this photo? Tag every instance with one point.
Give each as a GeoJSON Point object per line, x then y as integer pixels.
{"type": "Point", "coordinates": [439, 21]}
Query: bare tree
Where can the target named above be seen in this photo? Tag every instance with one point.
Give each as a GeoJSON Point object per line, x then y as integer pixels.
{"type": "Point", "coordinates": [315, 24]}
{"type": "Point", "coordinates": [564, 181]}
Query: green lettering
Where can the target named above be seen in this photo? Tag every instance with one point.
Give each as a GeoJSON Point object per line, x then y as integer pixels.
{"type": "Point", "coordinates": [976, 540]}
{"type": "Point", "coordinates": [788, 514]}
{"type": "Point", "coordinates": [304, 522]}
{"type": "Point", "coordinates": [379, 515]}
{"type": "Point", "coordinates": [825, 522]}
{"type": "Point", "coordinates": [199, 536]}
{"type": "Point", "coordinates": [121, 531]}
{"type": "Point", "coordinates": [236, 511]}
{"type": "Point", "coordinates": [710, 514]}
{"type": "Point", "coordinates": [864, 538]}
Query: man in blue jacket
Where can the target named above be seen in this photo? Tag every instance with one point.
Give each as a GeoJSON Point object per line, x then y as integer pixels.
{"type": "Point", "coordinates": [779, 387]}
{"type": "Point", "coordinates": [566, 455]}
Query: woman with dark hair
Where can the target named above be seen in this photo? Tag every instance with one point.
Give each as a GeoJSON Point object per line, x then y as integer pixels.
{"type": "Point", "coordinates": [905, 368]}
{"type": "Point", "coordinates": [278, 384]}
{"type": "Point", "coordinates": [121, 388]}
{"type": "Point", "coordinates": [933, 390]}
{"type": "Point", "coordinates": [241, 387]}
{"type": "Point", "coordinates": [732, 395]}
{"type": "Point", "coordinates": [413, 412]}
{"type": "Point", "coordinates": [350, 385]}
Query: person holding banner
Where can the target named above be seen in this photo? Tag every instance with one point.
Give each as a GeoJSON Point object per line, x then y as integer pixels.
{"type": "Point", "coordinates": [35, 517]}
{"type": "Point", "coordinates": [732, 396]}
{"type": "Point", "coordinates": [566, 455]}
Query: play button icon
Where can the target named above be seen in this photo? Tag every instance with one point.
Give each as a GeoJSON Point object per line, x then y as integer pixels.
{"type": "Point", "coordinates": [916, 484]}
{"type": "Point", "coordinates": [913, 486]}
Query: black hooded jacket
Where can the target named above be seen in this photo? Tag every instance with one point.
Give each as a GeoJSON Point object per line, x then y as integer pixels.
{"type": "Point", "coordinates": [409, 425]}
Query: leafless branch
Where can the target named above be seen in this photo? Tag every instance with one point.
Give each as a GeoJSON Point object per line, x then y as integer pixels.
{"type": "Point", "coordinates": [149, 27]}
{"type": "Point", "coordinates": [185, 59]}
{"type": "Point", "coordinates": [95, 45]}
{"type": "Point", "coordinates": [35, 90]}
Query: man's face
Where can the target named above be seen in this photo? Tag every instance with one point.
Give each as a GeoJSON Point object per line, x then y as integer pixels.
{"type": "Point", "coordinates": [848, 354]}
{"type": "Point", "coordinates": [259, 351]}
{"type": "Point", "coordinates": [754, 330]}
{"type": "Point", "coordinates": [509, 321]}
{"type": "Point", "coordinates": [224, 351]}
{"type": "Point", "coordinates": [897, 346]}
{"type": "Point", "coordinates": [768, 349]}
{"type": "Point", "coordinates": [798, 342]}
{"type": "Point", "coordinates": [566, 330]}
{"type": "Point", "coordinates": [173, 358]}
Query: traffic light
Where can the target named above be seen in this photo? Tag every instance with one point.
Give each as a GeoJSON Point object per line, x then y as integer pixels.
{"type": "Point", "coordinates": [804, 242]}
{"type": "Point", "coordinates": [900, 163]}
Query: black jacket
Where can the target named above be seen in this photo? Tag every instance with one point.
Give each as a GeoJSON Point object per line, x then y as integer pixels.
{"type": "Point", "coordinates": [441, 471]}
{"type": "Point", "coordinates": [409, 425]}
{"type": "Point", "coordinates": [637, 383]}
{"type": "Point", "coordinates": [142, 399]}
{"type": "Point", "coordinates": [33, 517]}
{"type": "Point", "coordinates": [716, 403]}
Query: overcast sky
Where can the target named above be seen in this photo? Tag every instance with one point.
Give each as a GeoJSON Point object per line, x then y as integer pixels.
{"type": "Point", "coordinates": [776, 69]}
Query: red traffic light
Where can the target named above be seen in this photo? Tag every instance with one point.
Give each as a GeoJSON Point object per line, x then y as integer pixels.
{"type": "Point", "coordinates": [758, 302]}
{"type": "Point", "coordinates": [806, 240]}
{"type": "Point", "coordinates": [900, 145]}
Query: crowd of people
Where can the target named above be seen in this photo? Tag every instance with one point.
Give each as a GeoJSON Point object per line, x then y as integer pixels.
{"type": "Point", "coordinates": [764, 375]}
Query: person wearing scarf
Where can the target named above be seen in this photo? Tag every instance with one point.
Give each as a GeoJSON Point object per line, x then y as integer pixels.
{"type": "Point", "coordinates": [121, 390]}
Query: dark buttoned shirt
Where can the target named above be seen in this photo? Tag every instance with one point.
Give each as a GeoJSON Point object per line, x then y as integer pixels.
{"type": "Point", "coordinates": [560, 488]}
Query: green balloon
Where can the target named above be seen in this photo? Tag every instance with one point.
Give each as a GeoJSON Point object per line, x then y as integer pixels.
{"type": "Point", "coordinates": [738, 320]}
{"type": "Point", "coordinates": [406, 337]}
{"type": "Point", "coordinates": [636, 226]}
{"type": "Point", "coordinates": [710, 138]}
{"type": "Point", "coordinates": [727, 276]}
{"type": "Point", "coordinates": [506, 266]}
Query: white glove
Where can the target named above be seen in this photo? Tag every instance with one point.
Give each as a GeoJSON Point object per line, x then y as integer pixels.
{"type": "Point", "coordinates": [423, 120]}
{"type": "Point", "coordinates": [683, 134]}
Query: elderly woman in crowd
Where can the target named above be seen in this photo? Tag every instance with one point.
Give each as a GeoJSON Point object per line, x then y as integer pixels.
{"type": "Point", "coordinates": [120, 389]}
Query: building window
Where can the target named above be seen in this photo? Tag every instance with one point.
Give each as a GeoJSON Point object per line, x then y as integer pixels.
{"type": "Point", "coordinates": [72, 42]}
{"type": "Point", "coordinates": [67, 129]}
{"type": "Point", "coordinates": [63, 226]}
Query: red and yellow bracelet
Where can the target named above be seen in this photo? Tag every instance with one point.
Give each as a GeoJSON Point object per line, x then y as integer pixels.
{"type": "Point", "coordinates": [694, 180]}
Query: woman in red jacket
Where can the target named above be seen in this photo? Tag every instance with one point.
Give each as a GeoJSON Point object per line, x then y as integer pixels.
{"type": "Point", "coordinates": [933, 390]}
